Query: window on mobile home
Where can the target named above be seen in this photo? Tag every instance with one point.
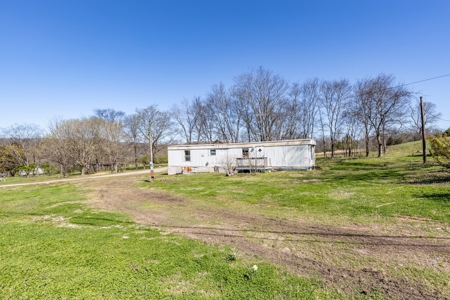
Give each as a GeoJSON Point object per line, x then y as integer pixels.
{"type": "Point", "coordinates": [187, 155]}
{"type": "Point", "coordinates": [244, 152]}
{"type": "Point", "coordinates": [212, 152]}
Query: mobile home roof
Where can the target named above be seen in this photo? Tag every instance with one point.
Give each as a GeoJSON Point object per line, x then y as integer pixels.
{"type": "Point", "coordinates": [244, 145]}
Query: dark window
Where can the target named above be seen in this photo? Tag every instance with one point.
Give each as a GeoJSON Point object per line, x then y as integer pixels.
{"type": "Point", "coordinates": [187, 155]}
{"type": "Point", "coordinates": [244, 152]}
{"type": "Point", "coordinates": [212, 152]}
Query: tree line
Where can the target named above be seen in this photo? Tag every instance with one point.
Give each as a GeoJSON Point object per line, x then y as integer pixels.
{"type": "Point", "coordinates": [259, 106]}
{"type": "Point", "coordinates": [263, 106]}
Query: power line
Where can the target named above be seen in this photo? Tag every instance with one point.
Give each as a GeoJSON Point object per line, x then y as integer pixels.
{"type": "Point", "coordinates": [442, 119]}
{"type": "Point", "coordinates": [427, 79]}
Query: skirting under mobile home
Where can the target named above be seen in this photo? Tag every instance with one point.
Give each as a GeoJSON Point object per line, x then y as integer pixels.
{"type": "Point", "coordinates": [257, 156]}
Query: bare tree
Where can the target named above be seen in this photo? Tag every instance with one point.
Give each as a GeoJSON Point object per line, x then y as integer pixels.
{"type": "Point", "coordinates": [264, 96]}
{"type": "Point", "coordinates": [83, 138]}
{"type": "Point", "coordinates": [386, 105]}
{"type": "Point", "coordinates": [293, 114]}
{"type": "Point", "coordinates": [131, 130]}
{"type": "Point", "coordinates": [187, 117]}
{"type": "Point", "coordinates": [362, 108]}
{"type": "Point", "coordinates": [301, 113]}
{"type": "Point", "coordinates": [311, 104]}
{"type": "Point", "coordinates": [58, 146]}
{"type": "Point", "coordinates": [24, 141]}
{"type": "Point", "coordinates": [112, 134]}
{"type": "Point", "coordinates": [245, 111]}
{"type": "Point", "coordinates": [206, 126]}
{"type": "Point", "coordinates": [112, 144]}
{"type": "Point", "coordinates": [222, 107]}
{"type": "Point", "coordinates": [335, 96]}
{"type": "Point", "coordinates": [155, 127]}
{"type": "Point", "coordinates": [431, 116]}
{"type": "Point", "coordinates": [352, 128]}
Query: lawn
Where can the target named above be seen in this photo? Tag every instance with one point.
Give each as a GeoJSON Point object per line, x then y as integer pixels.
{"type": "Point", "coordinates": [359, 190]}
{"type": "Point", "coordinates": [382, 219]}
{"type": "Point", "coordinates": [54, 247]}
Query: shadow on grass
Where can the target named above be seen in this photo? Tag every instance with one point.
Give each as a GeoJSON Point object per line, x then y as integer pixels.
{"type": "Point", "coordinates": [430, 178]}
{"type": "Point", "coordinates": [374, 175]}
{"type": "Point", "coordinates": [438, 197]}
{"type": "Point", "coordinates": [98, 221]}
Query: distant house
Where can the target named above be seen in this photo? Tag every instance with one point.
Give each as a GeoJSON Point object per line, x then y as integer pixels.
{"type": "Point", "coordinates": [257, 156]}
{"type": "Point", "coordinates": [37, 171]}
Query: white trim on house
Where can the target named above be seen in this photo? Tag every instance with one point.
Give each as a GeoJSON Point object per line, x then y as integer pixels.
{"type": "Point", "coordinates": [283, 155]}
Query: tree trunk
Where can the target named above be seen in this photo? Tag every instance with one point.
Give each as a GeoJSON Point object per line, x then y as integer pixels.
{"type": "Point", "coordinates": [324, 148]}
{"type": "Point", "coordinates": [367, 140]}
{"type": "Point", "coordinates": [135, 156]}
{"type": "Point", "coordinates": [380, 145]}
{"type": "Point", "coordinates": [63, 170]}
{"type": "Point", "coordinates": [332, 148]}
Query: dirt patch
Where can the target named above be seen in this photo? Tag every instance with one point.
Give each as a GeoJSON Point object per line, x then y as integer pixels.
{"type": "Point", "coordinates": [354, 259]}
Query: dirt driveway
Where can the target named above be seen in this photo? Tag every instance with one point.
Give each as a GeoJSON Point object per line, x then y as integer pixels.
{"type": "Point", "coordinates": [358, 260]}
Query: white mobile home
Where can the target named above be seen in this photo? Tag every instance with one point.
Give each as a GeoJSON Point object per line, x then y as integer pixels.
{"type": "Point", "coordinates": [261, 156]}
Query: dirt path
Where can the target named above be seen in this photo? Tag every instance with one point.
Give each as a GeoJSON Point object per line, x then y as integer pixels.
{"type": "Point", "coordinates": [354, 259]}
{"type": "Point", "coordinates": [86, 177]}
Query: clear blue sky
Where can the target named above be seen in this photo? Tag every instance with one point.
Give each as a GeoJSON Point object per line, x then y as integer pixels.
{"type": "Point", "coordinates": [65, 58]}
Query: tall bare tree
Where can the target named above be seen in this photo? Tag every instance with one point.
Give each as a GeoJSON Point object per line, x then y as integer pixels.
{"type": "Point", "coordinates": [223, 109]}
{"type": "Point", "coordinates": [264, 95]}
{"type": "Point", "coordinates": [187, 118]}
{"type": "Point", "coordinates": [352, 129]}
{"type": "Point", "coordinates": [387, 104]}
{"type": "Point", "coordinates": [362, 109]}
{"type": "Point", "coordinates": [310, 91]}
{"type": "Point", "coordinates": [131, 130]}
{"type": "Point", "coordinates": [155, 127]}
{"type": "Point", "coordinates": [303, 107]}
{"type": "Point", "coordinates": [294, 116]}
{"type": "Point", "coordinates": [112, 134]}
{"type": "Point", "coordinates": [58, 146]}
{"type": "Point", "coordinates": [335, 96]}
{"type": "Point", "coordinates": [84, 142]}
{"type": "Point", "coordinates": [113, 142]}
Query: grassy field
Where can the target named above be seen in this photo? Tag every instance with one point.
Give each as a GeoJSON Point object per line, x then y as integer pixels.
{"type": "Point", "coordinates": [348, 189]}
{"type": "Point", "coordinates": [55, 245]}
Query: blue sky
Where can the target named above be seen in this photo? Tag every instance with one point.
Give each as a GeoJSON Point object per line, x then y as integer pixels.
{"type": "Point", "coordinates": [65, 58]}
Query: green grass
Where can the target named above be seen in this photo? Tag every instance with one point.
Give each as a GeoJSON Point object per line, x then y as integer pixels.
{"type": "Point", "coordinates": [360, 190]}
{"type": "Point", "coordinates": [53, 247]}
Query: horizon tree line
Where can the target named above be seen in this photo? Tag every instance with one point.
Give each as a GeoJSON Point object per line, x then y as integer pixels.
{"type": "Point", "coordinates": [259, 106]}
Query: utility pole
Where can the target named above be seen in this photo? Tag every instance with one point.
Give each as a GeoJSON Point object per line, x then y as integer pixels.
{"type": "Point", "coordinates": [150, 141]}
{"type": "Point", "coordinates": [424, 143]}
